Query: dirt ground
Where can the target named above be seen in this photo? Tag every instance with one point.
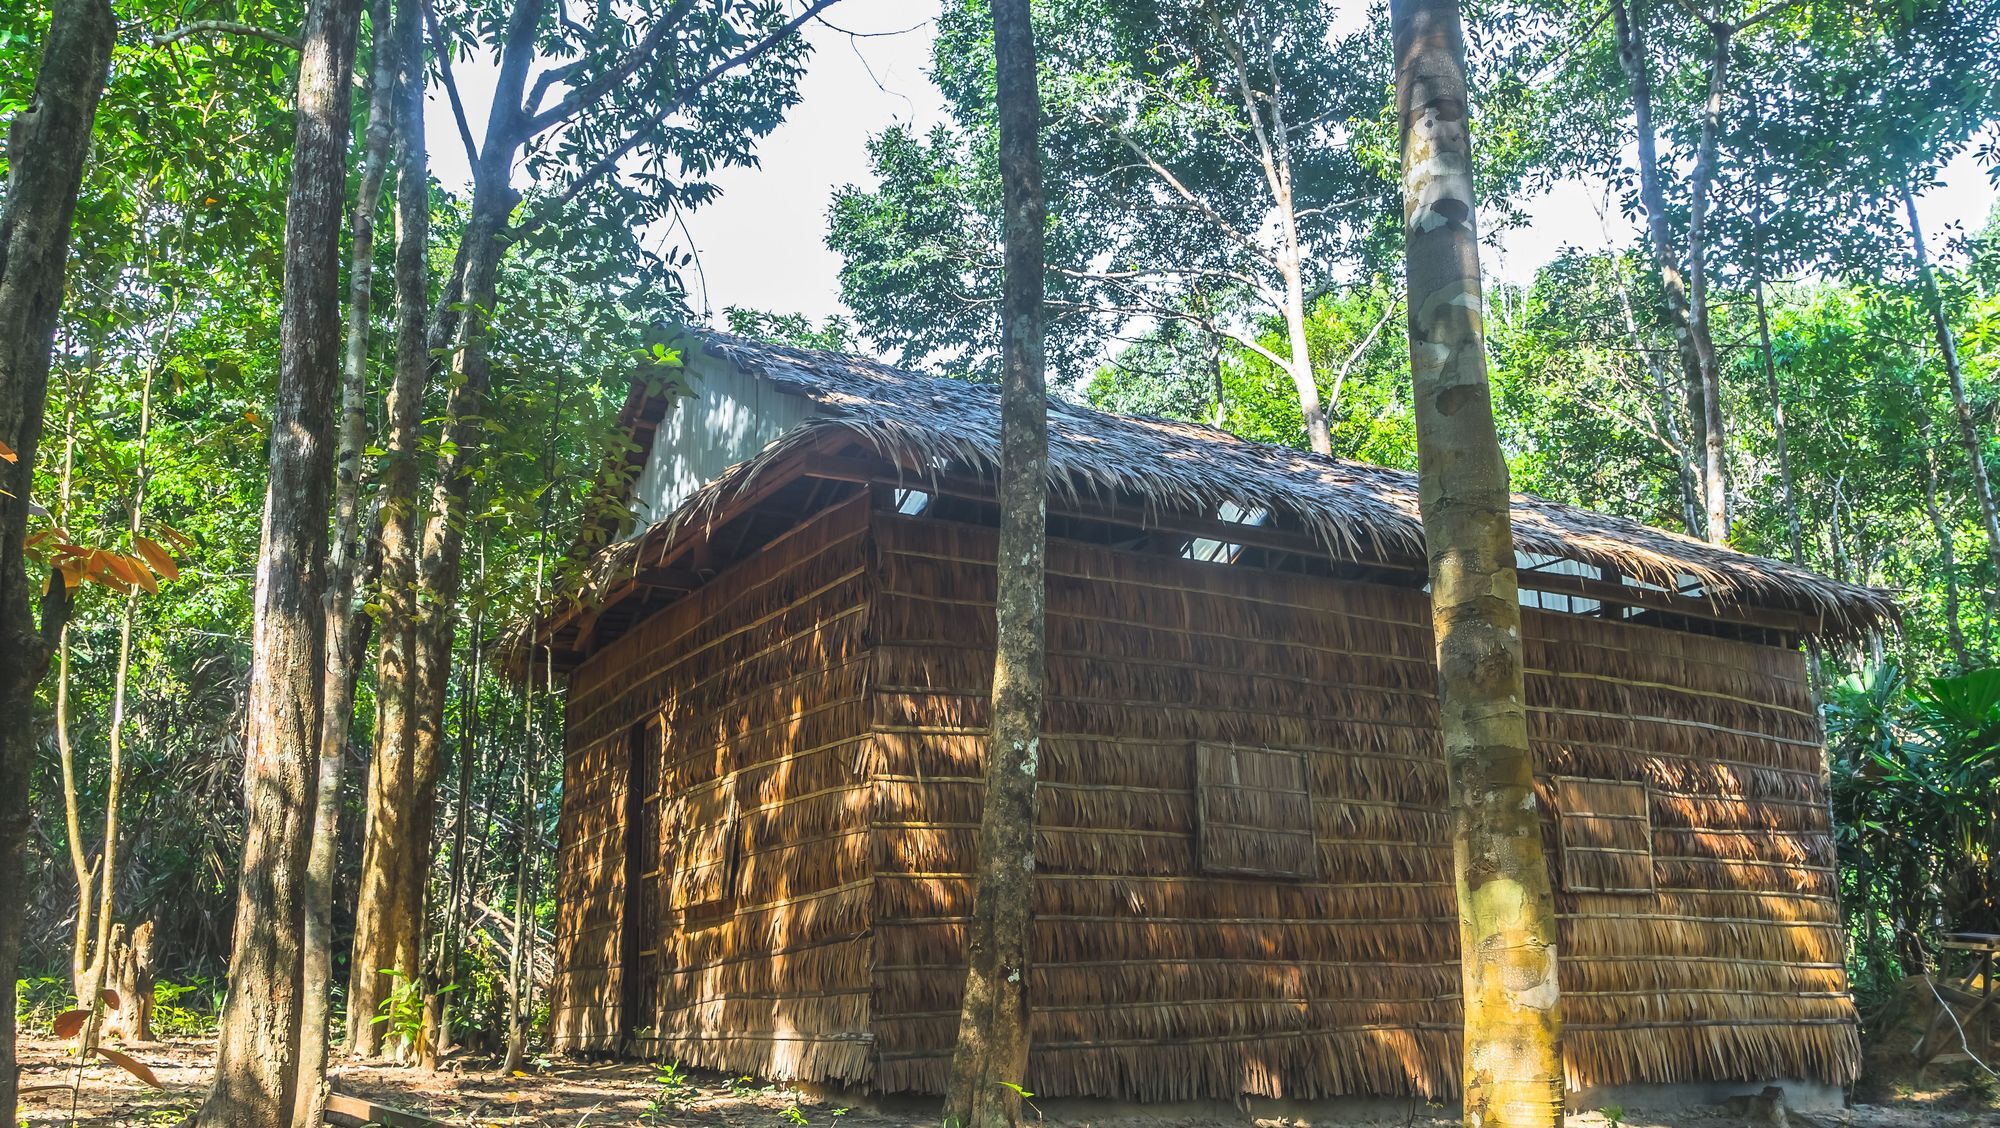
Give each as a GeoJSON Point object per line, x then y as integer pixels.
{"type": "Point", "coordinates": [579, 1095]}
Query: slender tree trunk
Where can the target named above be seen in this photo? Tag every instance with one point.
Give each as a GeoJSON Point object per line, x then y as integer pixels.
{"type": "Point", "coordinates": [46, 147]}
{"type": "Point", "coordinates": [1843, 565]}
{"type": "Point", "coordinates": [1318, 435]}
{"type": "Point", "coordinates": [1794, 524]}
{"type": "Point", "coordinates": [1670, 426]}
{"type": "Point", "coordinates": [439, 575]}
{"type": "Point", "coordinates": [437, 1005]}
{"type": "Point", "coordinates": [1212, 353]}
{"type": "Point", "coordinates": [1697, 352]}
{"type": "Point", "coordinates": [79, 860]}
{"type": "Point", "coordinates": [338, 714]}
{"type": "Point", "coordinates": [379, 925]}
{"type": "Point", "coordinates": [440, 560]}
{"type": "Point", "coordinates": [991, 1058]}
{"type": "Point", "coordinates": [1968, 430]}
{"type": "Point", "coordinates": [1794, 527]}
{"type": "Point", "coordinates": [520, 973]}
{"type": "Point", "coordinates": [257, 1063]}
{"type": "Point", "coordinates": [1507, 925]}
{"type": "Point", "coordinates": [1947, 556]}
{"type": "Point", "coordinates": [114, 772]}
{"type": "Point", "coordinates": [1714, 475]}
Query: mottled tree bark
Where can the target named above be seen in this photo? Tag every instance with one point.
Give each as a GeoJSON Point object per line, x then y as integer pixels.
{"type": "Point", "coordinates": [46, 147]}
{"type": "Point", "coordinates": [257, 1064]}
{"type": "Point", "coordinates": [1714, 472]}
{"type": "Point", "coordinates": [1265, 111]}
{"type": "Point", "coordinates": [1507, 926]}
{"type": "Point", "coordinates": [1968, 430]}
{"type": "Point", "coordinates": [380, 923]}
{"type": "Point", "coordinates": [441, 556]}
{"type": "Point", "coordinates": [990, 1061]}
{"type": "Point", "coordinates": [338, 714]}
{"type": "Point", "coordinates": [1691, 329]}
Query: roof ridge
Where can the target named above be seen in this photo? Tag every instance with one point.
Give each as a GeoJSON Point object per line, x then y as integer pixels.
{"type": "Point", "coordinates": [1346, 503]}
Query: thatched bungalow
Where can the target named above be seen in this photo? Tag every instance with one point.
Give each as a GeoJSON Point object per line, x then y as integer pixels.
{"type": "Point", "coordinates": [778, 686]}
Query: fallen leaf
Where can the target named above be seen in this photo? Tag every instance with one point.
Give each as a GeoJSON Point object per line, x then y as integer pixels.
{"type": "Point", "coordinates": [131, 1065]}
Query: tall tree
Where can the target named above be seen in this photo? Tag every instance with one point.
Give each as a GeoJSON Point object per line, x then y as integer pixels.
{"type": "Point", "coordinates": [384, 937]}
{"type": "Point", "coordinates": [1687, 290]}
{"type": "Point", "coordinates": [257, 1051]}
{"type": "Point", "coordinates": [1218, 178]}
{"type": "Point", "coordinates": [46, 147]}
{"type": "Point", "coordinates": [1969, 438]}
{"type": "Point", "coordinates": [685, 90]}
{"type": "Point", "coordinates": [1513, 1072]}
{"type": "Point", "coordinates": [990, 1061]}
{"type": "Point", "coordinates": [338, 711]}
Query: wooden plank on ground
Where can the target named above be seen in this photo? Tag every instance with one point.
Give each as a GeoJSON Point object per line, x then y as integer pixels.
{"type": "Point", "coordinates": [355, 1112]}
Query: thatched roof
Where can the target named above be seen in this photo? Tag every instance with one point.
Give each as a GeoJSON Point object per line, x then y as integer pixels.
{"type": "Point", "coordinates": [1356, 510]}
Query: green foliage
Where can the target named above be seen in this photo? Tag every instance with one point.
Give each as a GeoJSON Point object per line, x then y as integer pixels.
{"type": "Point", "coordinates": [402, 1012]}
{"type": "Point", "coordinates": [835, 334]}
{"type": "Point", "coordinates": [673, 1092]}
{"type": "Point", "coordinates": [187, 1010]}
{"type": "Point", "coordinates": [1916, 792]}
{"type": "Point", "coordinates": [38, 1000]}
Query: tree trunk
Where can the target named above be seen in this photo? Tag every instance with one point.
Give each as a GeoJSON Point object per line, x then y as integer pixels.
{"type": "Point", "coordinates": [1714, 474]}
{"type": "Point", "coordinates": [47, 144]}
{"type": "Point", "coordinates": [1794, 527]}
{"type": "Point", "coordinates": [79, 861]}
{"type": "Point", "coordinates": [1794, 524]}
{"type": "Point", "coordinates": [990, 1062]}
{"type": "Point", "coordinates": [131, 975]}
{"type": "Point", "coordinates": [92, 997]}
{"type": "Point", "coordinates": [1690, 337]}
{"type": "Point", "coordinates": [379, 924]}
{"type": "Point", "coordinates": [1670, 427]}
{"type": "Point", "coordinates": [1947, 556]}
{"type": "Point", "coordinates": [402, 803]}
{"type": "Point", "coordinates": [256, 1069]}
{"type": "Point", "coordinates": [338, 713]}
{"type": "Point", "coordinates": [1968, 430]}
{"type": "Point", "coordinates": [1507, 926]}
{"type": "Point", "coordinates": [520, 974]}
{"type": "Point", "coordinates": [437, 1006]}
{"type": "Point", "coordinates": [1212, 356]}
{"type": "Point", "coordinates": [1318, 435]}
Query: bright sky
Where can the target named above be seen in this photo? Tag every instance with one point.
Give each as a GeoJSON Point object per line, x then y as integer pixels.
{"type": "Point", "coordinates": [762, 243]}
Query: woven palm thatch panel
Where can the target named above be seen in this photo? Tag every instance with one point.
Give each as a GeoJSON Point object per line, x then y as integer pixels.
{"type": "Point", "coordinates": [1254, 811]}
{"type": "Point", "coordinates": [1731, 966]}
{"type": "Point", "coordinates": [590, 890]}
{"type": "Point", "coordinates": [759, 869]}
{"type": "Point", "coordinates": [1155, 980]}
{"type": "Point", "coordinates": [1606, 829]}
{"type": "Point", "coordinates": [701, 830]}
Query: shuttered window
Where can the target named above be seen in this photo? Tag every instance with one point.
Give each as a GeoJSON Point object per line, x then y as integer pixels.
{"type": "Point", "coordinates": [704, 846]}
{"type": "Point", "coordinates": [1254, 812]}
{"type": "Point", "coordinates": [1607, 836]}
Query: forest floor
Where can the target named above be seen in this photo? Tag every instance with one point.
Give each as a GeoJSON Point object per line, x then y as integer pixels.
{"type": "Point", "coordinates": [578, 1095]}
